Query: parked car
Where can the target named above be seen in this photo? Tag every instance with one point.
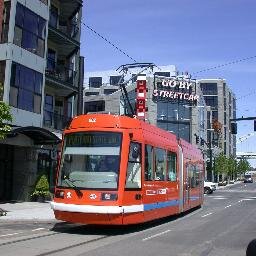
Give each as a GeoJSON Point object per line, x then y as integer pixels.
{"type": "Point", "coordinates": [223, 183]}
{"type": "Point", "coordinates": [248, 178]}
{"type": "Point", "coordinates": [209, 187]}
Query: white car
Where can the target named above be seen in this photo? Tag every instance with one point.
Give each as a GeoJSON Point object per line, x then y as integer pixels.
{"type": "Point", "coordinates": [209, 187]}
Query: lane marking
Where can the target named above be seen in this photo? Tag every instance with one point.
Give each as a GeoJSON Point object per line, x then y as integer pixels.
{"type": "Point", "coordinates": [11, 234]}
{"type": "Point", "coordinates": [207, 214]}
{"type": "Point", "coordinates": [248, 199]}
{"type": "Point", "coordinates": [156, 235]}
{"type": "Point", "coordinates": [37, 229]}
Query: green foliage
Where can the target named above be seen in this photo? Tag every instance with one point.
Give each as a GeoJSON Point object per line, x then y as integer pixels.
{"type": "Point", "coordinates": [221, 164]}
{"type": "Point", "coordinates": [226, 166]}
{"type": "Point", "coordinates": [42, 187]}
{"type": "Point", "coordinates": [5, 116]}
{"type": "Point", "coordinates": [243, 166]}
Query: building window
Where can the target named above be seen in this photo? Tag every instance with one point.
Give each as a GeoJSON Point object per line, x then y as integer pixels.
{"type": "Point", "coordinates": [94, 106]}
{"type": "Point", "coordinates": [54, 16]}
{"type": "Point", "coordinates": [115, 80]}
{"type": "Point", "coordinates": [209, 88]}
{"type": "Point", "coordinates": [2, 76]}
{"type": "Point", "coordinates": [48, 110]}
{"type": "Point", "coordinates": [51, 60]}
{"type": "Point", "coordinates": [109, 91]}
{"type": "Point", "coordinates": [166, 74]}
{"type": "Point", "coordinates": [224, 89]}
{"type": "Point", "coordinates": [95, 82]}
{"type": "Point", "coordinates": [211, 101]}
{"type": "Point", "coordinates": [26, 88]}
{"type": "Point", "coordinates": [29, 31]}
{"type": "Point", "coordinates": [91, 93]}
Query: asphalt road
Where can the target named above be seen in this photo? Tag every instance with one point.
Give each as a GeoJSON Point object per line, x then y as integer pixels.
{"type": "Point", "coordinates": [223, 226]}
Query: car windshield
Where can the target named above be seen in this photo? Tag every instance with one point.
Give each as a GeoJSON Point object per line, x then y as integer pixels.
{"type": "Point", "coordinates": [90, 160]}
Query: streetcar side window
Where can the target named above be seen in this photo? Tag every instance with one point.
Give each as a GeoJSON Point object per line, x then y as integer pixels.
{"type": "Point", "coordinates": [171, 166]}
{"type": "Point", "coordinates": [149, 172]}
{"type": "Point", "coordinates": [160, 164]}
{"type": "Point", "coordinates": [133, 176]}
{"type": "Point", "coordinates": [193, 172]}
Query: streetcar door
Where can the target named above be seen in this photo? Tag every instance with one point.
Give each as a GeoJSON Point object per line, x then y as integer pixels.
{"type": "Point", "coordinates": [133, 195]}
{"type": "Point", "coordinates": [186, 187]}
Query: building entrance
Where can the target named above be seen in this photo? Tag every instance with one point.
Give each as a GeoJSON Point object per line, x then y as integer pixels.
{"type": "Point", "coordinates": [6, 172]}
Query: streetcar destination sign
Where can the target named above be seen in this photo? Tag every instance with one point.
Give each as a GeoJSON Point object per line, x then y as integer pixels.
{"type": "Point", "coordinates": [175, 88]}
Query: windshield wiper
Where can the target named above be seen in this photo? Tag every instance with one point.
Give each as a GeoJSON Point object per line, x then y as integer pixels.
{"type": "Point", "coordinates": [72, 184]}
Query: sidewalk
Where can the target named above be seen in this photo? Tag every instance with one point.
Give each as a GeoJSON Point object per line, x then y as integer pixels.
{"type": "Point", "coordinates": [18, 211]}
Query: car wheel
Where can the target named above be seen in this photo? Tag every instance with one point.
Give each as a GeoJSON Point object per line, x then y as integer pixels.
{"type": "Point", "coordinates": [207, 191]}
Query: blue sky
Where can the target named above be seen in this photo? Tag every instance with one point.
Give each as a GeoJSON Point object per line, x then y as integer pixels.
{"type": "Point", "coordinates": [193, 35]}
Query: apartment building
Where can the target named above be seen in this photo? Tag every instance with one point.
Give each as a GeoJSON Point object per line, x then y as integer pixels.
{"type": "Point", "coordinates": [218, 95]}
{"type": "Point", "coordinates": [41, 73]}
{"type": "Point", "coordinates": [222, 102]}
{"type": "Point", "coordinates": [178, 115]}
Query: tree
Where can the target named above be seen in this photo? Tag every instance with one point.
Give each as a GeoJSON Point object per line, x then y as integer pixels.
{"type": "Point", "coordinates": [243, 166]}
{"type": "Point", "coordinates": [5, 116]}
{"type": "Point", "coordinates": [232, 164]}
{"type": "Point", "coordinates": [221, 164]}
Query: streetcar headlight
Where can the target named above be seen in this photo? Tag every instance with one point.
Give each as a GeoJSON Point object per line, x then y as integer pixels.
{"type": "Point", "coordinates": [59, 194]}
{"type": "Point", "coordinates": [109, 196]}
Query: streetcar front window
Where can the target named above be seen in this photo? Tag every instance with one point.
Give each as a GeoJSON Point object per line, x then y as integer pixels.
{"type": "Point", "coordinates": [90, 160]}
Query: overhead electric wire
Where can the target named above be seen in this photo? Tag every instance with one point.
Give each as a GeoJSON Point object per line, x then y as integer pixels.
{"type": "Point", "coordinates": [225, 64]}
{"type": "Point", "coordinates": [197, 72]}
{"type": "Point", "coordinates": [246, 95]}
{"type": "Point", "coordinates": [112, 44]}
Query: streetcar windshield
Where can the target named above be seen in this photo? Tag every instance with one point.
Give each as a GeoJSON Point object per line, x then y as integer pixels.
{"type": "Point", "coordinates": [90, 160]}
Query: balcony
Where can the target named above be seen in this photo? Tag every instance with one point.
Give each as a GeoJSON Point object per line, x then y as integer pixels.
{"type": "Point", "coordinates": [62, 37]}
{"type": "Point", "coordinates": [55, 121]}
{"type": "Point", "coordinates": [69, 8]}
{"type": "Point", "coordinates": [64, 27]}
{"type": "Point", "coordinates": [61, 78]}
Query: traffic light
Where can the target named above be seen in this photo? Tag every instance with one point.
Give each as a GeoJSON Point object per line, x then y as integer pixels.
{"type": "Point", "coordinates": [197, 139]}
{"type": "Point", "coordinates": [233, 128]}
{"type": "Point", "coordinates": [254, 121]}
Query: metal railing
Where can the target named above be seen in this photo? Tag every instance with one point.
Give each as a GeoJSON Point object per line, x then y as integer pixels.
{"type": "Point", "coordinates": [70, 30]}
{"type": "Point", "coordinates": [60, 72]}
{"type": "Point", "coordinates": [44, 2]}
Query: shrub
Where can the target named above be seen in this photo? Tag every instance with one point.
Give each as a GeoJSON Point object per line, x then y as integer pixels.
{"type": "Point", "coordinates": [42, 187]}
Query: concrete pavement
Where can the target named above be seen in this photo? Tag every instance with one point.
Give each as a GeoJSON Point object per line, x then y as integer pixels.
{"type": "Point", "coordinates": [35, 211]}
